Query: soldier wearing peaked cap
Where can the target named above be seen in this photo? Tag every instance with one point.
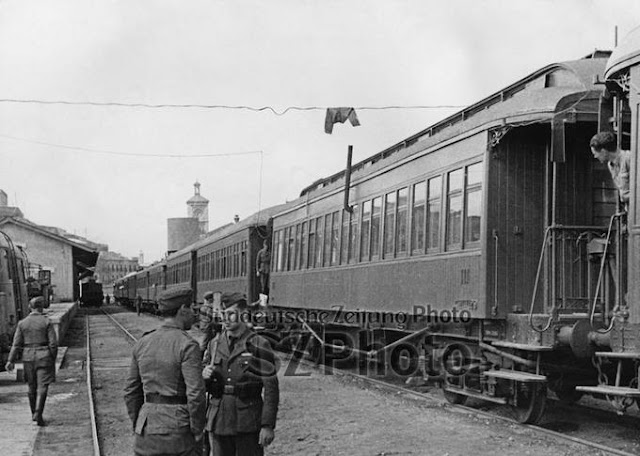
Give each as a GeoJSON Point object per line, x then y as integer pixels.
{"type": "Point", "coordinates": [209, 324]}
{"type": "Point", "coordinates": [37, 340]}
{"type": "Point", "coordinates": [239, 369]}
{"type": "Point", "coordinates": [165, 394]}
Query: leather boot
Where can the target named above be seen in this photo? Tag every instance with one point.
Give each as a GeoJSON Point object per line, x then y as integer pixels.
{"type": "Point", "coordinates": [40, 400]}
{"type": "Point", "coordinates": [32, 404]}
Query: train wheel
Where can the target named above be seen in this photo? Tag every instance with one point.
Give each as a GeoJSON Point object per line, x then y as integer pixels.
{"type": "Point", "coordinates": [531, 403]}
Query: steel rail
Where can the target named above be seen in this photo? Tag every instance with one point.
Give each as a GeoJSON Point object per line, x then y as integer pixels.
{"type": "Point", "coordinates": [119, 325]}
{"type": "Point", "coordinates": [92, 407]}
{"type": "Point", "coordinates": [400, 389]}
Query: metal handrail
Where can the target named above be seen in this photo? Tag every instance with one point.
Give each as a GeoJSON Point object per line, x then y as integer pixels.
{"type": "Point", "coordinates": [603, 261]}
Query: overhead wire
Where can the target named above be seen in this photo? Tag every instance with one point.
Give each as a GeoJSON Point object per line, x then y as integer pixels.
{"type": "Point", "coordinates": [215, 106]}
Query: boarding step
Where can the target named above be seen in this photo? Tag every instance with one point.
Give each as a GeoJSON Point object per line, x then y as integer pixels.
{"type": "Point", "coordinates": [497, 400]}
{"type": "Point", "coordinates": [524, 347]}
{"type": "Point", "coordinates": [611, 390]}
{"type": "Point", "coordinates": [618, 355]}
{"type": "Point", "coordinates": [517, 376]}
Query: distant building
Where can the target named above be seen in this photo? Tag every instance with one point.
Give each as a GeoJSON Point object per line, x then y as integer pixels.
{"type": "Point", "coordinates": [70, 258]}
{"type": "Point", "coordinates": [183, 231]}
{"type": "Point", "coordinates": [198, 207]}
{"type": "Point", "coordinates": [110, 267]}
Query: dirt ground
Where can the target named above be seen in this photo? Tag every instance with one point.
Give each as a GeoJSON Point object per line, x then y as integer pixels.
{"type": "Point", "coordinates": [336, 415]}
{"type": "Point", "coordinates": [319, 415]}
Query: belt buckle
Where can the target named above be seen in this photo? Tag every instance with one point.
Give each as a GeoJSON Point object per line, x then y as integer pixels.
{"type": "Point", "coordinates": [229, 389]}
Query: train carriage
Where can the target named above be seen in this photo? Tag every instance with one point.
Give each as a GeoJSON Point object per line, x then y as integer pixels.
{"type": "Point", "coordinates": [477, 237]}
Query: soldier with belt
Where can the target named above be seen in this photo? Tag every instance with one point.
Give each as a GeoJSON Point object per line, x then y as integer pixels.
{"type": "Point", "coordinates": [37, 340]}
{"type": "Point", "coordinates": [165, 395]}
{"type": "Point", "coordinates": [241, 377]}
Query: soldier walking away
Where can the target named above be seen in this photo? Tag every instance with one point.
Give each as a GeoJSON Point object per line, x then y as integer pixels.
{"type": "Point", "coordinates": [164, 394]}
{"type": "Point", "coordinates": [37, 340]}
{"type": "Point", "coordinates": [209, 324]}
{"type": "Point", "coordinates": [138, 304]}
{"type": "Point", "coordinates": [263, 267]}
{"type": "Point", "coordinates": [239, 365]}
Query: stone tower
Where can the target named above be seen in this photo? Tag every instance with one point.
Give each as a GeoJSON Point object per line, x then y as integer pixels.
{"type": "Point", "coordinates": [199, 208]}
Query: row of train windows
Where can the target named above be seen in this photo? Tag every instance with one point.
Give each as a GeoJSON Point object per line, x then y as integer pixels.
{"type": "Point", "coordinates": [407, 220]}
{"type": "Point", "coordinates": [179, 273]}
{"type": "Point", "coordinates": [224, 263]}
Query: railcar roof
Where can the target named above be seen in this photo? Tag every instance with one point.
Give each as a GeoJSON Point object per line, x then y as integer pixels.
{"type": "Point", "coordinates": [625, 55]}
{"type": "Point", "coordinates": [534, 98]}
{"type": "Point", "coordinates": [258, 219]}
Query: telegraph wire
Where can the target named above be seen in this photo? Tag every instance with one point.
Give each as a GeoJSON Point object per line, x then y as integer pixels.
{"type": "Point", "coordinates": [217, 106]}
{"type": "Point", "coordinates": [127, 154]}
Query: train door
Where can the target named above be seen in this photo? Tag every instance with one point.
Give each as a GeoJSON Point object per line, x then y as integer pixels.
{"type": "Point", "coordinates": [194, 274]}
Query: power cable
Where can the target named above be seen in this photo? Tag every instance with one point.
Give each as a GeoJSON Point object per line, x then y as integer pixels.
{"type": "Point", "coordinates": [216, 106]}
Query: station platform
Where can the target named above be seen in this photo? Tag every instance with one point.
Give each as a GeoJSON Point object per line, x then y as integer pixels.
{"type": "Point", "coordinates": [61, 315]}
{"type": "Point", "coordinates": [19, 432]}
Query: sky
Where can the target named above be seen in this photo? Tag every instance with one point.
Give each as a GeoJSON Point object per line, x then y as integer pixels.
{"type": "Point", "coordinates": [115, 174]}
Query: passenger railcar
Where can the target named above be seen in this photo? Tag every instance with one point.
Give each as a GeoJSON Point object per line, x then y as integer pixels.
{"type": "Point", "coordinates": [474, 242]}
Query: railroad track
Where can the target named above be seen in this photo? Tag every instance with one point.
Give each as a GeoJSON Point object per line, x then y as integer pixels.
{"type": "Point", "coordinates": [107, 352]}
{"type": "Point", "coordinates": [625, 422]}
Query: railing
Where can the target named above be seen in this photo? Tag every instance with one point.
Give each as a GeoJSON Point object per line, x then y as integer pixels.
{"type": "Point", "coordinates": [576, 267]}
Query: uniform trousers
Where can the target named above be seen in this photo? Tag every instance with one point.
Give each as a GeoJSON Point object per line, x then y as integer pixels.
{"type": "Point", "coordinates": [240, 444]}
{"type": "Point", "coordinates": [175, 444]}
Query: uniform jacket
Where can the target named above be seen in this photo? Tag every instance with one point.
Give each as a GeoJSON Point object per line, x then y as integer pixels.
{"type": "Point", "coordinates": [166, 361]}
{"type": "Point", "coordinates": [263, 261]}
{"type": "Point", "coordinates": [37, 340]}
{"type": "Point", "coordinates": [250, 369]}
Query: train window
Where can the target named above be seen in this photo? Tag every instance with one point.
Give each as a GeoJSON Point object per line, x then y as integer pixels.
{"type": "Point", "coordinates": [243, 259]}
{"type": "Point", "coordinates": [389, 224]}
{"type": "Point", "coordinates": [365, 231]}
{"type": "Point", "coordinates": [319, 241]}
{"type": "Point", "coordinates": [303, 245]}
{"type": "Point", "coordinates": [291, 250]}
{"type": "Point", "coordinates": [433, 213]}
{"type": "Point", "coordinates": [344, 240]}
{"type": "Point", "coordinates": [454, 209]}
{"type": "Point", "coordinates": [401, 221]}
{"type": "Point", "coordinates": [473, 204]}
{"type": "Point", "coordinates": [417, 217]}
{"type": "Point", "coordinates": [376, 213]}
{"type": "Point", "coordinates": [296, 262]}
{"type": "Point", "coordinates": [353, 239]}
{"type": "Point", "coordinates": [312, 244]}
{"type": "Point", "coordinates": [328, 235]}
{"type": "Point", "coordinates": [285, 250]}
{"type": "Point", "coordinates": [335, 237]}
{"type": "Point", "coordinates": [353, 235]}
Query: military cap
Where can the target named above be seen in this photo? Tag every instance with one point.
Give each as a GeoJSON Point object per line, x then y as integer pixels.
{"type": "Point", "coordinates": [172, 299]}
{"type": "Point", "coordinates": [208, 295]}
{"type": "Point", "coordinates": [234, 298]}
{"type": "Point", "coordinates": [37, 302]}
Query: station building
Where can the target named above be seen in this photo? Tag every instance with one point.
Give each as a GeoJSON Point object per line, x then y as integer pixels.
{"type": "Point", "coordinates": [70, 258]}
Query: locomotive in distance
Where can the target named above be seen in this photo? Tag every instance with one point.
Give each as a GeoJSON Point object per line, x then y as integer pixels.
{"type": "Point", "coordinates": [498, 210]}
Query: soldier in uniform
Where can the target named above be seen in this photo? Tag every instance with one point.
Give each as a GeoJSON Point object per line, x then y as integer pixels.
{"type": "Point", "coordinates": [37, 340]}
{"type": "Point", "coordinates": [209, 319]}
{"type": "Point", "coordinates": [165, 395]}
{"type": "Point", "coordinates": [263, 267]}
{"type": "Point", "coordinates": [239, 367]}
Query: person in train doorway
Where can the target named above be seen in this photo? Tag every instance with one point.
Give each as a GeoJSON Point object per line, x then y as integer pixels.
{"type": "Point", "coordinates": [263, 267]}
{"type": "Point", "coordinates": [209, 320]}
{"type": "Point", "coordinates": [604, 148]}
{"type": "Point", "coordinates": [239, 370]}
{"type": "Point", "coordinates": [164, 392]}
{"type": "Point", "coordinates": [138, 304]}
{"type": "Point", "coordinates": [36, 338]}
